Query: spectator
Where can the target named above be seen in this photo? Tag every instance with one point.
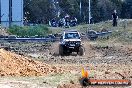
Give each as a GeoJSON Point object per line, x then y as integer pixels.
{"type": "Point", "coordinates": [64, 22]}
{"type": "Point", "coordinates": [114, 18]}
{"type": "Point", "coordinates": [53, 22]}
{"type": "Point", "coordinates": [73, 21]}
{"type": "Point", "coordinates": [60, 23]}
{"type": "Point", "coordinates": [67, 20]}
{"type": "Point", "coordinates": [50, 23]}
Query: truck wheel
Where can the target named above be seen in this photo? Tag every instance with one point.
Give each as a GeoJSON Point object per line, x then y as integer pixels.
{"type": "Point", "coordinates": [67, 53]}
{"type": "Point", "coordinates": [81, 51]}
{"type": "Point", "coordinates": [61, 52]}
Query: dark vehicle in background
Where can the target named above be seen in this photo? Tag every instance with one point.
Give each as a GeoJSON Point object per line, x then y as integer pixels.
{"type": "Point", "coordinates": [93, 35]}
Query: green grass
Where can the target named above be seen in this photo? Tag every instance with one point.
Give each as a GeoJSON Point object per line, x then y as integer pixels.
{"type": "Point", "coordinates": [120, 34]}
{"type": "Point", "coordinates": [40, 30]}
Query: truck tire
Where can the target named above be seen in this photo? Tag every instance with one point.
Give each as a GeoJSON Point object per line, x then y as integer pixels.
{"type": "Point", "coordinates": [67, 53]}
{"type": "Point", "coordinates": [61, 51]}
{"type": "Point", "coordinates": [81, 51]}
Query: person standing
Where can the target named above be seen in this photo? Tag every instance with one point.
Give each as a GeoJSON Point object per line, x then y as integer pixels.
{"type": "Point", "coordinates": [67, 20]}
{"type": "Point", "coordinates": [114, 18]}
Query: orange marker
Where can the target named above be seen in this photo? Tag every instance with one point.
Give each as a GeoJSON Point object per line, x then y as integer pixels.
{"type": "Point", "coordinates": [84, 73]}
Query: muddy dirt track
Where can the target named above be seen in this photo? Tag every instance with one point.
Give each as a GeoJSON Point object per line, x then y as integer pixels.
{"type": "Point", "coordinates": [112, 61]}
{"type": "Point", "coordinates": [94, 54]}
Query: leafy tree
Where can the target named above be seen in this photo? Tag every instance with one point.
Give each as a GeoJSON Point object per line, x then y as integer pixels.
{"type": "Point", "coordinates": [41, 11]}
{"type": "Point", "coordinates": [127, 9]}
{"type": "Point", "coordinates": [95, 11]}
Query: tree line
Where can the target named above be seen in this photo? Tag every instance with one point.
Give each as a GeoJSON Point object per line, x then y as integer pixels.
{"type": "Point", "coordinates": [41, 11]}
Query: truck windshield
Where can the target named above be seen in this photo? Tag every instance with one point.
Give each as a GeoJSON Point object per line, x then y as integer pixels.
{"type": "Point", "coordinates": [72, 36]}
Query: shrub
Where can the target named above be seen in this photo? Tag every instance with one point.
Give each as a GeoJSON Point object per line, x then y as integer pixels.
{"type": "Point", "coordinates": [40, 30]}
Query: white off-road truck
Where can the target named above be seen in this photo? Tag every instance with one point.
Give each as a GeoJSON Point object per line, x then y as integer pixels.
{"type": "Point", "coordinates": [70, 42]}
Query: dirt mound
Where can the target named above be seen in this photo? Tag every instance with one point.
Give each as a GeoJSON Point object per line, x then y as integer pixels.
{"type": "Point", "coordinates": [12, 64]}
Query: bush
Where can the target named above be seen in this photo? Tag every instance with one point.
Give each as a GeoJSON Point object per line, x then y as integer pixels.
{"type": "Point", "coordinates": [40, 30]}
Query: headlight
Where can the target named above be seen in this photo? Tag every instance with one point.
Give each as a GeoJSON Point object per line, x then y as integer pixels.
{"type": "Point", "coordinates": [78, 43]}
{"type": "Point", "coordinates": [63, 42]}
